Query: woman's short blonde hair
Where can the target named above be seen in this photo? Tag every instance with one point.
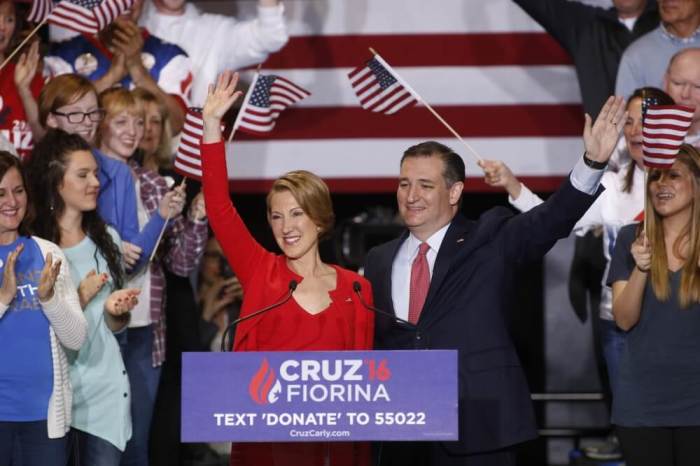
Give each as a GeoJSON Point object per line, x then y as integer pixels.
{"type": "Point", "coordinates": [312, 194]}
{"type": "Point", "coordinates": [114, 101]}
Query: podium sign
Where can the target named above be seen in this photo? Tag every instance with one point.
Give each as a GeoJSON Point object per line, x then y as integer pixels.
{"type": "Point", "coordinates": [319, 396]}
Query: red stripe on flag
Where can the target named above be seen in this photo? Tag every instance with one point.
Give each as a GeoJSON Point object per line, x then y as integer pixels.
{"type": "Point", "coordinates": [417, 122]}
{"type": "Point", "coordinates": [484, 49]}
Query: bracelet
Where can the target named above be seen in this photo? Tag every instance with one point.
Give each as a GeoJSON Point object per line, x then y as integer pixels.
{"type": "Point", "coordinates": [641, 269]}
{"type": "Point", "coordinates": [594, 164]}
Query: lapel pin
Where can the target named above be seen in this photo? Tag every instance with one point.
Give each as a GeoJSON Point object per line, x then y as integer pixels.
{"type": "Point", "coordinates": [460, 240]}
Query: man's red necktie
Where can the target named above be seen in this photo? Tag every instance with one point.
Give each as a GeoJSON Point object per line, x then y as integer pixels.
{"type": "Point", "coordinates": [420, 282]}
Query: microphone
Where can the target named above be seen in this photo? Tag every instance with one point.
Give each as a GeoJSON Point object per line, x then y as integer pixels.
{"type": "Point", "coordinates": [358, 288]}
{"type": "Point", "coordinates": [292, 286]}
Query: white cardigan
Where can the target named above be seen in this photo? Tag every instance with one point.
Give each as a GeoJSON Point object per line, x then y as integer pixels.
{"type": "Point", "coordinates": [67, 327]}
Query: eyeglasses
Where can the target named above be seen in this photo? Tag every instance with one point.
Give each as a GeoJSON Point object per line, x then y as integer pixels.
{"type": "Point", "coordinates": [78, 117]}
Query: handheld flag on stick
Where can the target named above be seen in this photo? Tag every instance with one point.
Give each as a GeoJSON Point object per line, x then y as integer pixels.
{"type": "Point", "coordinates": [88, 16]}
{"type": "Point", "coordinates": [664, 128]}
{"type": "Point", "coordinates": [188, 161]}
{"type": "Point", "coordinates": [380, 89]}
{"type": "Point", "coordinates": [267, 97]}
{"type": "Point", "coordinates": [663, 131]}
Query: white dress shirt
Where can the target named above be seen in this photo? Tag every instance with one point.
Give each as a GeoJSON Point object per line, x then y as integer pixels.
{"type": "Point", "coordinates": [401, 271]}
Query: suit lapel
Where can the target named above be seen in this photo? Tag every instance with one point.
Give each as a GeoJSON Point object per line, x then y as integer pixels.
{"type": "Point", "coordinates": [454, 241]}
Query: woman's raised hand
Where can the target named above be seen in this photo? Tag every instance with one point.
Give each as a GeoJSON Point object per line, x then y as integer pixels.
{"type": "Point", "coordinates": [600, 138]}
{"type": "Point", "coordinates": [49, 274]}
{"type": "Point", "coordinates": [9, 279]}
{"type": "Point", "coordinates": [26, 67]}
{"type": "Point", "coordinates": [220, 98]}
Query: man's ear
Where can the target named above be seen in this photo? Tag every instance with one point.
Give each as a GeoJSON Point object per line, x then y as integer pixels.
{"type": "Point", "coordinates": [456, 192]}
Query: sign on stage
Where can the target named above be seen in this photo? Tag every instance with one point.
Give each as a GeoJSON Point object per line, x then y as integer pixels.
{"type": "Point", "coordinates": [319, 396]}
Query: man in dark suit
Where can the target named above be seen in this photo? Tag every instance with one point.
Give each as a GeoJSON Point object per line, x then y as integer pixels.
{"type": "Point", "coordinates": [451, 276]}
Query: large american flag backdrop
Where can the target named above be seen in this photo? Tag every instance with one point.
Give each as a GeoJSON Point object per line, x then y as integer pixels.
{"type": "Point", "coordinates": [484, 65]}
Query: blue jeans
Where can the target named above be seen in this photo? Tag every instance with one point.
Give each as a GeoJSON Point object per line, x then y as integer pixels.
{"type": "Point", "coordinates": [89, 450]}
{"type": "Point", "coordinates": [137, 344]}
{"type": "Point", "coordinates": [28, 444]}
{"type": "Point", "coordinates": [613, 341]}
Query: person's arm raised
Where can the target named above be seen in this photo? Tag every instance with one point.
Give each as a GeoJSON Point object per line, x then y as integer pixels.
{"type": "Point", "coordinates": [220, 98]}
{"type": "Point", "coordinates": [244, 254]}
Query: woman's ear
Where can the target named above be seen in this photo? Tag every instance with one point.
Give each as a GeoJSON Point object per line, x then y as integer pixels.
{"type": "Point", "coordinates": [51, 121]}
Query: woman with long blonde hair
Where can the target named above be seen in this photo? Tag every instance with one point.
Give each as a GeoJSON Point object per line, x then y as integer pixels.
{"type": "Point", "coordinates": [655, 278]}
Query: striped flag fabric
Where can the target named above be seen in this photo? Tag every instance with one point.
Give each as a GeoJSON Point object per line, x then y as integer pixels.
{"type": "Point", "coordinates": [267, 97]}
{"type": "Point", "coordinates": [489, 69]}
{"type": "Point", "coordinates": [39, 10]}
{"type": "Point", "coordinates": [88, 16]}
{"type": "Point", "coordinates": [188, 160]}
{"type": "Point", "coordinates": [663, 131]}
{"type": "Point", "coordinates": [379, 88]}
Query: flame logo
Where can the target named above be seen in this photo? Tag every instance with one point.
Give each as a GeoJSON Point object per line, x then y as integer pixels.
{"type": "Point", "coordinates": [264, 387]}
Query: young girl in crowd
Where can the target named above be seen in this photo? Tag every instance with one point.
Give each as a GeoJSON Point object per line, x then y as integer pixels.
{"type": "Point", "coordinates": [40, 317]}
{"type": "Point", "coordinates": [655, 283]}
{"type": "Point", "coordinates": [323, 313]}
{"type": "Point", "coordinates": [118, 137]}
{"type": "Point", "coordinates": [63, 172]}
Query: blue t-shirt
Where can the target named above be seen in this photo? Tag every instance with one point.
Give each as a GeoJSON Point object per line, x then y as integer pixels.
{"type": "Point", "coordinates": [26, 368]}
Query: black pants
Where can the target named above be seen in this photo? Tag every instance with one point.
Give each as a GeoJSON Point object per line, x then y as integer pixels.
{"type": "Point", "coordinates": [655, 446]}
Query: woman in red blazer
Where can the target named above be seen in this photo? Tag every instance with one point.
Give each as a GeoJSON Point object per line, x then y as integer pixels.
{"type": "Point", "coordinates": [324, 313]}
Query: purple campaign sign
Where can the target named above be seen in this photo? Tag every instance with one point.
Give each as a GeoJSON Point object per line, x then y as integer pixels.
{"type": "Point", "coordinates": [319, 396]}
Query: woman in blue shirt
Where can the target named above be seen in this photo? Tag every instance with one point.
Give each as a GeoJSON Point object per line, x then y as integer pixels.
{"type": "Point", "coordinates": [40, 319]}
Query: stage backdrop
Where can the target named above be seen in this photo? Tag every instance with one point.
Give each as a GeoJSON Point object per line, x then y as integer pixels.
{"type": "Point", "coordinates": [491, 71]}
{"type": "Point", "coordinates": [503, 83]}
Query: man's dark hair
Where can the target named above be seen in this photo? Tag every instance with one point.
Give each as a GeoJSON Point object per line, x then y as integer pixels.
{"type": "Point", "coordinates": [454, 165]}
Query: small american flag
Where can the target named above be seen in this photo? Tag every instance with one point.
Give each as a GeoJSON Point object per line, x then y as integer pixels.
{"type": "Point", "coordinates": [267, 97]}
{"type": "Point", "coordinates": [663, 132]}
{"type": "Point", "coordinates": [379, 88]}
{"type": "Point", "coordinates": [88, 16]}
{"type": "Point", "coordinates": [188, 161]}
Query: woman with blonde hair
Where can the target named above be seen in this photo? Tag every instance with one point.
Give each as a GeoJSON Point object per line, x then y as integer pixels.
{"type": "Point", "coordinates": [322, 313]}
{"type": "Point", "coordinates": [118, 137]}
{"type": "Point", "coordinates": [656, 300]}
{"type": "Point", "coordinates": [156, 147]}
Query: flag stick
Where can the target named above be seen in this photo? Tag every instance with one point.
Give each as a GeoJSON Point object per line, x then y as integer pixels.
{"type": "Point", "coordinates": [427, 105]}
{"type": "Point", "coordinates": [162, 230]}
{"type": "Point", "coordinates": [245, 102]}
{"type": "Point", "coordinates": [22, 44]}
{"type": "Point", "coordinates": [646, 205]}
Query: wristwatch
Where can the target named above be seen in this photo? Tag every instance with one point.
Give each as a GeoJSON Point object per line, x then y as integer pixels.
{"type": "Point", "coordinates": [593, 164]}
